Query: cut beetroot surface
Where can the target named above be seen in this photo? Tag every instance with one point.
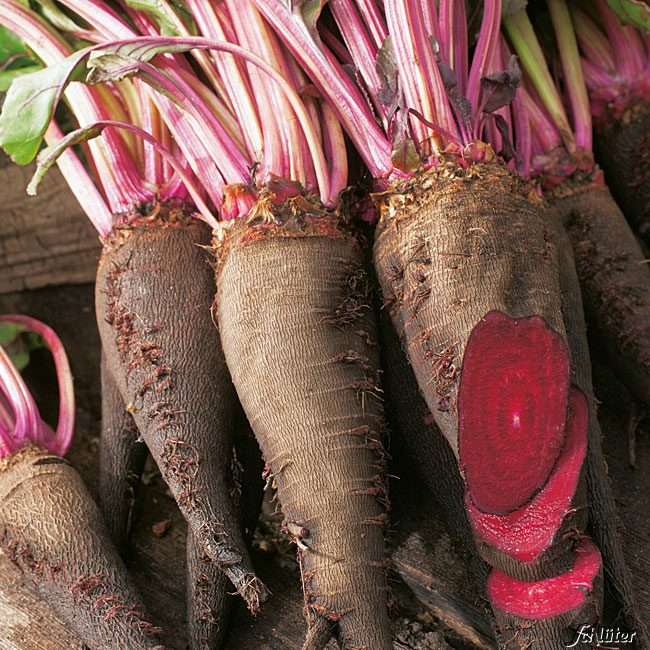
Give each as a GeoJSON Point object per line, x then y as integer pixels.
{"type": "Point", "coordinates": [526, 533]}
{"type": "Point", "coordinates": [512, 408]}
{"type": "Point", "coordinates": [551, 597]}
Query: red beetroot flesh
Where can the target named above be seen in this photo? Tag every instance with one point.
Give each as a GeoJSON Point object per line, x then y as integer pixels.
{"type": "Point", "coordinates": [551, 597]}
{"type": "Point", "coordinates": [512, 406]}
{"type": "Point", "coordinates": [526, 533]}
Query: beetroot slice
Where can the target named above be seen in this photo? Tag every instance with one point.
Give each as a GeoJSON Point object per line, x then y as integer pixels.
{"type": "Point", "coordinates": [551, 597]}
{"type": "Point", "coordinates": [512, 408]}
{"type": "Point", "coordinates": [526, 533]}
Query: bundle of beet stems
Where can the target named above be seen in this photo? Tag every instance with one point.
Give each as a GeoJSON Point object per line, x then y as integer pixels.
{"type": "Point", "coordinates": [481, 287]}
{"type": "Point", "coordinates": [49, 525]}
{"type": "Point", "coordinates": [293, 298]}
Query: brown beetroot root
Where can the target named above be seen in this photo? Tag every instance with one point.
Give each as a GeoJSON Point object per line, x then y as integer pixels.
{"type": "Point", "coordinates": [122, 458]}
{"type": "Point", "coordinates": [623, 151]}
{"type": "Point", "coordinates": [414, 431]}
{"type": "Point", "coordinates": [459, 248]}
{"type": "Point", "coordinates": [51, 528]}
{"type": "Point", "coordinates": [209, 598]}
{"type": "Point", "coordinates": [615, 280]}
{"type": "Point", "coordinates": [448, 251]}
{"type": "Point", "coordinates": [153, 297]}
{"type": "Point", "coordinates": [605, 523]}
{"type": "Point", "coordinates": [209, 601]}
{"type": "Point", "coordinates": [298, 332]}
{"type": "Point", "coordinates": [123, 454]}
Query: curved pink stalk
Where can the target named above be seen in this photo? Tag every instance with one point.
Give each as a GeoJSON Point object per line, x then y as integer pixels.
{"type": "Point", "coordinates": [231, 161]}
{"type": "Point", "coordinates": [430, 22]}
{"type": "Point", "coordinates": [98, 14]}
{"type": "Point", "coordinates": [297, 105]}
{"type": "Point", "coordinates": [336, 152]}
{"type": "Point", "coordinates": [360, 46]}
{"type": "Point", "coordinates": [453, 40]}
{"type": "Point", "coordinates": [496, 65]}
{"type": "Point", "coordinates": [118, 174]}
{"type": "Point", "coordinates": [30, 28]}
{"type": "Point", "coordinates": [195, 146]}
{"type": "Point", "coordinates": [146, 26]}
{"type": "Point", "coordinates": [542, 125]}
{"type": "Point", "coordinates": [405, 24]}
{"type": "Point", "coordinates": [7, 425]}
{"type": "Point", "coordinates": [174, 189]}
{"type": "Point", "coordinates": [81, 185]}
{"type": "Point", "coordinates": [280, 139]}
{"type": "Point", "coordinates": [65, 425]}
{"type": "Point", "coordinates": [374, 20]}
{"type": "Point", "coordinates": [593, 42]}
{"type": "Point", "coordinates": [235, 82]}
{"type": "Point", "coordinates": [487, 42]}
{"type": "Point", "coordinates": [629, 51]}
{"type": "Point", "coordinates": [332, 81]}
{"type": "Point", "coordinates": [188, 181]}
{"type": "Point", "coordinates": [219, 108]}
{"type": "Point", "coordinates": [597, 78]}
{"type": "Point", "coordinates": [26, 420]}
{"type": "Point", "coordinates": [335, 44]}
{"type": "Point", "coordinates": [143, 112]}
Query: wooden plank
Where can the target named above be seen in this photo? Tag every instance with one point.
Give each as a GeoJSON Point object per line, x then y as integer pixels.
{"type": "Point", "coordinates": [46, 239]}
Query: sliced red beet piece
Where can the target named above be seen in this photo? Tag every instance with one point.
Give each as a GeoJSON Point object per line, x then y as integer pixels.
{"type": "Point", "coordinates": [512, 408]}
{"type": "Point", "coordinates": [551, 597]}
{"type": "Point", "coordinates": [526, 533]}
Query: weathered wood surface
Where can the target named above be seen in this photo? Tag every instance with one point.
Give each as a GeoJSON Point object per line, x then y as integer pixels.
{"type": "Point", "coordinates": [46, 239]}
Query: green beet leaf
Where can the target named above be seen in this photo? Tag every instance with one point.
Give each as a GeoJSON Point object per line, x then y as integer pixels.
{"type": "Point", "coordinates": [632, 12]}
{"type": "Point", "coordinates": [30, 104]}
{"type": "Point", "coordinates": [163, 13]}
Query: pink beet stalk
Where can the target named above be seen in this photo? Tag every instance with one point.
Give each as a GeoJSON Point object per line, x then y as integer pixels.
{"type": "Point", "coordinates": [615, 61]}
{"type": "Point", "coordinates": [417, 37]}
{"type": "Point", "coordinates": [20, 421]}
{"type": "Point", "coordinates": [572, 70]}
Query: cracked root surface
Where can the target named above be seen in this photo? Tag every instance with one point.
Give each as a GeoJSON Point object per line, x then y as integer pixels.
{"type": "Point", "coordinates": [153, 297]}
{"type": "Point", "coordinates": [299, 337]}
{"type": "Point", "coordinates": [53, 531]}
